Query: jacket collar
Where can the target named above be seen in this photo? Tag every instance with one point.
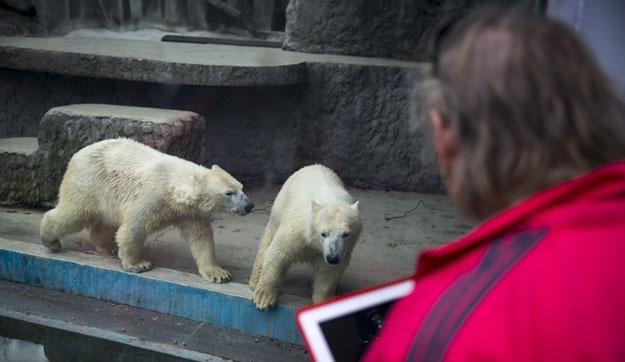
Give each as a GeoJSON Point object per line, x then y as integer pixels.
{"type": "Point", "coordinates": [602, 182]}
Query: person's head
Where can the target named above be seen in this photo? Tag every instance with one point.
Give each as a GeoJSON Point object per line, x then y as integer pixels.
{"type": "Point", "coordinates": [518, 104]}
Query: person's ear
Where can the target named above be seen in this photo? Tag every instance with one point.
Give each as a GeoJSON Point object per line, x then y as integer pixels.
{"type": "Point", "coordinates": [446, 143]}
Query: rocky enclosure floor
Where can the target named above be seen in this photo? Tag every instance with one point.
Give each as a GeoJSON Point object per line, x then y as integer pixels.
{"type": "Point", "coordinates": [396, 226]}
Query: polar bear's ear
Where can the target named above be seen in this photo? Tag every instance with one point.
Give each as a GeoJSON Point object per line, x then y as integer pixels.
{"type": "Point", "coordinates": [315, 206]}
{"type": "Point", "coordinates": [354, 206]}
{"type": "Point", "coordinates": [216, 168]}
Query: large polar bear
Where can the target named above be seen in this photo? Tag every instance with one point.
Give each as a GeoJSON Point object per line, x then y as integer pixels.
{"type": "Point", "coordinates": [124, 191]}
{"type": "Point", "coordinates": [313, 220]}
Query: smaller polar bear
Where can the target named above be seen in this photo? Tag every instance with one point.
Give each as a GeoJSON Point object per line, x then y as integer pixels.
{"type": "Point", "coordinates": [313, 220]}
{"type": "Point", "coordinates": [124, 191]}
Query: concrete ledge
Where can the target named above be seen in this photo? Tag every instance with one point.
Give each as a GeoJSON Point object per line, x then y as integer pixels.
{"type": "Point", "coordinates": [162, 290]}
{"type": "Point", "coordinates": [130, 60]}
{"type": "Point", "coordinates": [168, 63]}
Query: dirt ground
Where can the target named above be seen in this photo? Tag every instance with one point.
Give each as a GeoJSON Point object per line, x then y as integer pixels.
{"type": "Point", "coordinates": [396, 226]}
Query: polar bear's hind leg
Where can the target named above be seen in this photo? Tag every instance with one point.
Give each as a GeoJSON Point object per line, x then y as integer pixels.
{"type": "Point", "coordinates": [59, 222]}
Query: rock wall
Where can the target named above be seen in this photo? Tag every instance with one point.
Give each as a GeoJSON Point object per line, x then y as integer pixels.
{"type": "Point", "coordinates": [237, 17]}
{"type": "Point", "coordinates": [397, 29]}
{"type": "Point", "coordinates": [360, 120]}
{"type": "Point", "coordinates": [375, 28]}
{"type": "Point", "coordinates": [367, 123]}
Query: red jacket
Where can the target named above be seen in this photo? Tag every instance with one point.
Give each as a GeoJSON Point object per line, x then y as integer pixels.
{"type": "Point", "coordinates": [544, 280]}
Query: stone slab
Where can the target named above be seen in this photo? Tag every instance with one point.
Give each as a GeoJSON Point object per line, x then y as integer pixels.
{"type": "Point", "coordinates": [66, 129]}
{"type": "Point", "coordinates": [169, 63]}
{"type": "Point", "coordinates": [124, 113]}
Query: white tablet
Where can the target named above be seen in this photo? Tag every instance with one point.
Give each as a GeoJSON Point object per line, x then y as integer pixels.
{"type": "Point", "coordinates": [340, 329]}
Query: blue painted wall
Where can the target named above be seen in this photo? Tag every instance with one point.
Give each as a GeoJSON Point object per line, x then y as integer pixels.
{"type": "Point", "coordinates": [154, 294]}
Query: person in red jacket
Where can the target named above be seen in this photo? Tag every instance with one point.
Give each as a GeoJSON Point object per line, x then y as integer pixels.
{"type": "Point", "coordinates": [530, 140]}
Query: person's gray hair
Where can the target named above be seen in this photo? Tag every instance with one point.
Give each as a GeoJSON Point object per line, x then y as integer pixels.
{"type": "Point", "coordinates": [528, 102]}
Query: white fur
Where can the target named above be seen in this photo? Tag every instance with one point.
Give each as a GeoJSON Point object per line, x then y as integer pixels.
{"type": "Point", "coordinates": [313, 200]}
{"type": "Point", "coordinates": [124, 191]}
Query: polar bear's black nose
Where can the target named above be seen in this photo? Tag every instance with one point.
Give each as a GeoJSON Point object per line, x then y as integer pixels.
{"type": "Point", "coordinates": [249, 207]}
{"type": "Point", "coordinates": [331, 259]}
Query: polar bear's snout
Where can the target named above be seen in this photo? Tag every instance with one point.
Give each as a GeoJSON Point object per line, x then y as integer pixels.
{"type": "Point", "coordinates": [243, 205]}
{"type": "Point", "coordinates": [332, 259]}
{"type": "Point", "coordinates": [233, 198]}
{"type": "Point", "coordinates": [333, 250]}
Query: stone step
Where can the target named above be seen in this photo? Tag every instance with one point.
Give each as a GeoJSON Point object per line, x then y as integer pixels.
{"type": "Point", "coordinates": [19, 161]}
{"type": "Point", "coordinates": [169, 131]}
{"type": "Point", "coordinates": [24, 146]}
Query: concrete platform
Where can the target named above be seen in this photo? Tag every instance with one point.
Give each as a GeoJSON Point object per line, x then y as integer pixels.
{"type": "Point", "coordinates": [397, 226]}
{"type": "Point", "coordinates": [169, 63]}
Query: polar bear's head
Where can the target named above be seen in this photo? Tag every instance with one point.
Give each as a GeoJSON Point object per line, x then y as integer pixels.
{"type": "Point", "coordinates": [335, 229]}
{"type": "Point", "coordinates": [227, 193]}
{"type": "Point", "coordinates": [216, 190]}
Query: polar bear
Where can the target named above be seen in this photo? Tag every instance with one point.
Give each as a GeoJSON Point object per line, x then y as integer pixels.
{"type": "Point", "coordinates": [313, 220]}
{"type": "Point", "coordinates": [124, 191]}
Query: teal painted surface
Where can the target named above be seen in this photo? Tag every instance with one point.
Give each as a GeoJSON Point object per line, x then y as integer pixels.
{"type": "Point", "coordinates": [154, 294]}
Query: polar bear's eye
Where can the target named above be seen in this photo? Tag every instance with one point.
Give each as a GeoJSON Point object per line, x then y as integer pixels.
{"type": "Point", "coordinates": [345, 234]}
{"type": "Point", "coordinates": [229, 193]}
{"type": "Point", "coordinates": [324, 235]}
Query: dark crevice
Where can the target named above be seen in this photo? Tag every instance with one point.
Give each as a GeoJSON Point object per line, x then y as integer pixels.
{"type": "Point", "coordinates": [31, 12]}
{"type": "Point", "coordinates": [278, 20]}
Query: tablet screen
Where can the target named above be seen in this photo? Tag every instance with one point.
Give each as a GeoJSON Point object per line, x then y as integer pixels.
{"type": "Point", "coordinates": [358, 328]}
{"type": "Point", "coordinates": [342, 329]}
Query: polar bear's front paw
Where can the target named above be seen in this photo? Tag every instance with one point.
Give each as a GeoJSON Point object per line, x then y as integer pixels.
{"type": "Point", "coordinates": [139, 267]}
{"type": "Point", "coordinates": [264, 298]}
{"type": "Point", "coordinates": [215, 274]}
